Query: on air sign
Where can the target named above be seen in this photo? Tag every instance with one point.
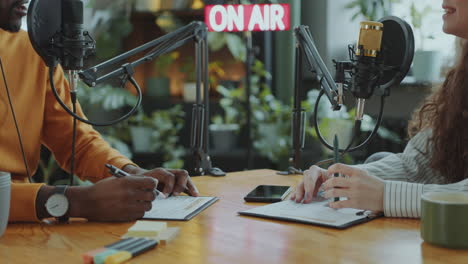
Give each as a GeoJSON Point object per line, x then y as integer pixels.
{"type": "Point", "coordinates": [261, 17]}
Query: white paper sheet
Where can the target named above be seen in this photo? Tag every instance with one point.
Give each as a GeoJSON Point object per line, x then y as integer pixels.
{"type": "Point", "coordinates": [315, 213]}
{"type": "Point", "coordinates": [178, 207]}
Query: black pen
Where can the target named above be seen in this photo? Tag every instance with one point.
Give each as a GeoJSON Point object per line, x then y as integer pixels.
{"type": "Point", "coordinates": [336, 150]}
{"type": "Point", "coordinates": [120, 173]}
{"type": "Point", "coordinates": [116, 171]}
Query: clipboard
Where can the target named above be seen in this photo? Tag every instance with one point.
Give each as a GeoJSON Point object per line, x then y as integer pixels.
{"type": "Point", "coordinates": [178, 208]}
{"type": "Point", "coordinates": [315, 213]}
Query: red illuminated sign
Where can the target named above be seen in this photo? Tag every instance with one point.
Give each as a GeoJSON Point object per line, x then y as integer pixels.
{"type": "Point", "coordinates": [261, 17]}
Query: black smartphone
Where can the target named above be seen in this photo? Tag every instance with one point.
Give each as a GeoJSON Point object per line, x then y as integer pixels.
{"type": "Point", "coordinates": [268, 193]}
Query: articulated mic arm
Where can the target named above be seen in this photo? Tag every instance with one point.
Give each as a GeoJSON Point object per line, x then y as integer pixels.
{"type": "Point", "coordinates": [305, 46]}
{"type": "Point", "coordinates": [197, 32]}
{"type": "Point", "coordinates": [305, 43]}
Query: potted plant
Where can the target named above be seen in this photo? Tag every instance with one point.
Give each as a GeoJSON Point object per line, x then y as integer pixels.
{"type": "Point", "coordinates": [106, 103]}
{"type": "Point", "coordinates": [158, 133]}
{"type": "Point", "coordinates": [158, 86]}
{"type": "Point", "coordinates": [427, 63]}
{"type": "Point", "coordinates": [190, 85]}
{"type": "Point", "coordinates": [224, 129]}
{"type": "Point", "coordinates": [271, 119]}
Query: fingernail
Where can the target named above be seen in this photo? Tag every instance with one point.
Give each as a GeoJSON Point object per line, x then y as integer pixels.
{"type": "Point", "coordinates": [162, 195]}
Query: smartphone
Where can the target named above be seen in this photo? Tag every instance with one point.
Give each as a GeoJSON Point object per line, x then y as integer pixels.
{"type": "Point", "coordinates": [268, 193]}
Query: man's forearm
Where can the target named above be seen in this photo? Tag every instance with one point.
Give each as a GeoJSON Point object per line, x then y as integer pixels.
{"type": "Point", "coordinates": [76, 200]}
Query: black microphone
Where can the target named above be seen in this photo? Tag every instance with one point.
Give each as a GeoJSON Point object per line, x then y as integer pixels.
{"type": "Point", "coordinates": [367, 68]}
{"type": "Point", "coordinates": [76, 44]}
{"type": "Point", "coordinates": [75, 47]}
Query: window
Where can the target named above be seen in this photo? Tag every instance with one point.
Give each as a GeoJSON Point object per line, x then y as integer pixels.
{"type": "Point", "coordinates": [430, 36]}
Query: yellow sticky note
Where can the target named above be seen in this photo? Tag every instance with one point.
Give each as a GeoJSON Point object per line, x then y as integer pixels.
{"type": "Point", "coordinates": [168, 235]}
{"type": "Point", "coordinates": [146, 229]}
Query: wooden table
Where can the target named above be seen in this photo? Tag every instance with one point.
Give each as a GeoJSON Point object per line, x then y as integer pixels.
{"type": "Point", "coordinates": [220, 235]}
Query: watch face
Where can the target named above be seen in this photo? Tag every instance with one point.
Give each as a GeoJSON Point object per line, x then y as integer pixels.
{"type": "Point", "coordinates": [57, 205]}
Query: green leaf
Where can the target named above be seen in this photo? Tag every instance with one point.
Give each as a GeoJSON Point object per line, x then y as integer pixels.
{"type": "Point", "coordinates": [236, 46]}
{"type": "Point", "coordinates": [216, 40]}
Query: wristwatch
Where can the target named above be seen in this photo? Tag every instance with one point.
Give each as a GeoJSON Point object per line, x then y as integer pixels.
{"type": "Point", "coordinates": [57, 205]}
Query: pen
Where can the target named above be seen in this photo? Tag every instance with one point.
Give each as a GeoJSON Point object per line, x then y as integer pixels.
{"type": "Point", "coordinates": [120, 173]}
{"type": "Point", "coordinates": [336, 151]}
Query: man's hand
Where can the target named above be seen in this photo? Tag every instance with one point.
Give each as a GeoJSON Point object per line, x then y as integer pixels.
{"type": "Point", "coordinates": [170, 181]}
{"type": "Point", "coordinates": [111, 199]}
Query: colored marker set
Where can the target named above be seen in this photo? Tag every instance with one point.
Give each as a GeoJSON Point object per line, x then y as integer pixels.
{"type": "Point", "coordinates": [119, 252]}
{"type": "Point", "coordinates": [141, 237]}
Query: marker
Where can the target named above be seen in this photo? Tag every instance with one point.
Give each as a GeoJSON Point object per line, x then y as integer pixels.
{"type": "Point", "coordinates": [120, 173]}
{"type": "Point", "coordinates": [88, 258]}
{"type": "Point", "coordinates": [135, 250]}
{"type": "Point", "coordinates": [99, 256]}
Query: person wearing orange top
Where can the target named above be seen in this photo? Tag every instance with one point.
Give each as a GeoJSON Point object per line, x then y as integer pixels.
{"type": "Point", "coordinates": [41, 120]}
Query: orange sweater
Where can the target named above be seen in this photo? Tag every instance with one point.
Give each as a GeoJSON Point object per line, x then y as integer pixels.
{"type": "Point", "coordinates": [41, 120]}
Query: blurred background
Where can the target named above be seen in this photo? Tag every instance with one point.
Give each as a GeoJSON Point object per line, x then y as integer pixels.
{"type": "Point", "coordinates": [159, 134]}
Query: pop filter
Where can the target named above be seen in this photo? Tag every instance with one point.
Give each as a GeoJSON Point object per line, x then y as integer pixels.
{"type": "Point", "coordinates": [56, 32]}
{"type": "Point", "coordinates": [44, 22]}
{"type": "Point", "coordinates": [397, 51]}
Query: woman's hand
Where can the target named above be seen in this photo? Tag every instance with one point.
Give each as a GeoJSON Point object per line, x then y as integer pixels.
{"type": "Point", "coordinates": [308, 188]}
{"type": "Point", "coordinates": [362, 190]}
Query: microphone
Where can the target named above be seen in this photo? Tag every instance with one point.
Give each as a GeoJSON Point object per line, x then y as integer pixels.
{"type": "Point", "coordinates": [380, 61]}
{"type": "Point", "coordinates": [75, 46]}
{"type": "Point", "coordinates": [367, 66]}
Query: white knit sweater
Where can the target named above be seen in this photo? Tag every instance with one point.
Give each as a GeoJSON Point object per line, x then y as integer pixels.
{"type": "Point", "coordinates": [408, 175]}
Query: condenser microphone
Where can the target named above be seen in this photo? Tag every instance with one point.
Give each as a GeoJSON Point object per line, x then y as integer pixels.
{"type": "Point", "coordinates": [73, 39]}
{"type": "Point", "coordinates": [55, 28]}
{"type": "Point", "coordinates": [367, 70]}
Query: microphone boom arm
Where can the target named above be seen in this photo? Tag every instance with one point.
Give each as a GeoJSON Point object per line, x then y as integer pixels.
{"type": "Point", "coordinates": [162, 45]}
{"type": "Point", "coordinates": [305, 46]}
{"type": "Point", "coordinates": [315, 62]}
{"type": "Point", "coordinates": [195, 31]}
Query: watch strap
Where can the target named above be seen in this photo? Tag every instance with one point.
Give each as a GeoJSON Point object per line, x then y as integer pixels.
{"type": "Point", "coordinates": [61, 189]}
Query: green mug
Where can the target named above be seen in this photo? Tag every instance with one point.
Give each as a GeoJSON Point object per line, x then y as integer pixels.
{"type": "Point", "coordinates": [444, 219]}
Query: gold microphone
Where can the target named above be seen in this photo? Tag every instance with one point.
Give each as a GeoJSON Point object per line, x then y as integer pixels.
{"type": "Point", "coordinates": [370, 39]}
{"type": "Point", "coordinates": [367, 50]}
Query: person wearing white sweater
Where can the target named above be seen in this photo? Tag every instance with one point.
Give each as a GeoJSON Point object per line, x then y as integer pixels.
{"type": "Point", "coordinates": [435, 159]}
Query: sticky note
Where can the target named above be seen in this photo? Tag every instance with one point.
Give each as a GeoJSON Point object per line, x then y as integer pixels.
{"type": "Point", "coordinates": [168, 235]}
{"type": "Point", "coordinates": [146, 229]}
